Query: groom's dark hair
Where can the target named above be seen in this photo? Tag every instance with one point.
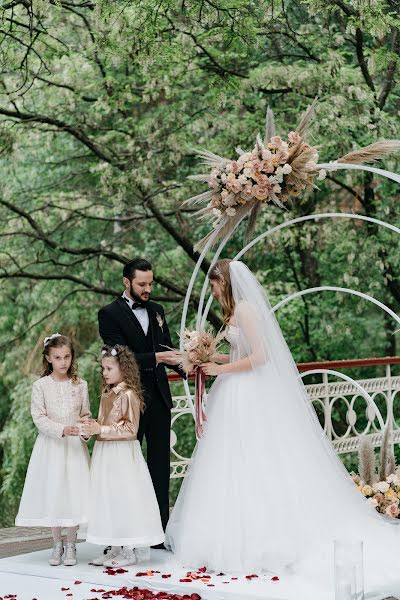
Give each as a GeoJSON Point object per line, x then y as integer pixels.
{"type": "Point", "coordinates": [137, 264]}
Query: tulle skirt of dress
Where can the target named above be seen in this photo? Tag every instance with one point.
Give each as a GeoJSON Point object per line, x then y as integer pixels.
{"type": "Point", "coordinates": [262, 494]}
{"type": "Point", "coordinates": [56, 490]}
{"type": "Point", "coordinates": [123, 504]}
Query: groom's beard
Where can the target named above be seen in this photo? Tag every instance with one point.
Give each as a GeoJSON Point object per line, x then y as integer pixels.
{"type": "Point", "coordinates": [137, 298]}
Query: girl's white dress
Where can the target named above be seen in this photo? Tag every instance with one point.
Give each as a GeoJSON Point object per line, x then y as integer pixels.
{"type": "Point", "coordinates": [123, 504]}
{"type": "Point", "coordinates": [56, 489]}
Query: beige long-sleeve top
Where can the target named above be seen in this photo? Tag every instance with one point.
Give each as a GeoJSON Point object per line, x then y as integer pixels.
{"type": "Point", "coordinates": [119, 414]}
{"type": "Point", "coordinates": [56, 404]}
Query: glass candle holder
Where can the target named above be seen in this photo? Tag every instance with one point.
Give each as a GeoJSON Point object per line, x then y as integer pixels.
{"type": "Point", "coordinates": [349, 570]}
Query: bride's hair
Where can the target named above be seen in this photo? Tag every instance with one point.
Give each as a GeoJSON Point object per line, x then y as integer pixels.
{"type": "Point", "coordinates": [221, 273]}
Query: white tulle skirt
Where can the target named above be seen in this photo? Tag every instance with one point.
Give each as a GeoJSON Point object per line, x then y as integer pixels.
{"type": "Point", "coordinates": [262, 494]}
{"type": "Point", "coordinates": [56, 490]}
{"type": "Point", "coordinates": [123, 504]}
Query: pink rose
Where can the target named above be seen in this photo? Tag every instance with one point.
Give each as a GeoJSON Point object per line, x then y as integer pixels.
{"type": "Point", "coordinates": [282, 157]}
{"type": "Point", "coordinates": [213, 183]}
{"type": "Point", "coordinates": [260, 192]}
{"type": "Point", "coordinates": [294, 137]}
{"type": "Point", "coordinates": [235, 187]}
{"type": "Point", "coordinates": [267, 166]}
{"type": "Point", "coordinates": [266, 154]}
{"type": "Point", "coordinates": [248, 189]}
{"type": "Point", "coordinates": [236, 167]}
{"type": "Point", "coordinates": [276, 141]}
{"type": "Point", "coordinates": [256, 165]}
{"type": "Point", "coordinates": [392, 510]}
{"type": "Point", "coordinates": [262, 180]}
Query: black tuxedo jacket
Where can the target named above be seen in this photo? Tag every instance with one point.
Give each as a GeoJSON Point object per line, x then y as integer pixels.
{"type": "Point", "coordinates": [119, 325]}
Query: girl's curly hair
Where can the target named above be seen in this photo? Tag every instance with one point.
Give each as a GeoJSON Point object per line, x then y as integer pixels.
{"type": "Point", "coordinates": [59, 342]}
{"type": "Point", "coordinates": [129, 370]}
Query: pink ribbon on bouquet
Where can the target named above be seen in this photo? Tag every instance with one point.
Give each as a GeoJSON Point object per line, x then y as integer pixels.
{"type": "Point", "coordinates": [200, 387]}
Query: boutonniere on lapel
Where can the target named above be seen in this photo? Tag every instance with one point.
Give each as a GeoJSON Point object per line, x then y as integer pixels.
{"type": "Point", "coordinates": [160, 321]}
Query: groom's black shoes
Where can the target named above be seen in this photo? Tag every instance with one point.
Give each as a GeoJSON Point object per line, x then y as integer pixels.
{"type": "Point", "coordinates": [159, 547]}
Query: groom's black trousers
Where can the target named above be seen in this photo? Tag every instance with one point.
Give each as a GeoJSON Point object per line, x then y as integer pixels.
{"type": "Point", "coordinates": [155, 426]}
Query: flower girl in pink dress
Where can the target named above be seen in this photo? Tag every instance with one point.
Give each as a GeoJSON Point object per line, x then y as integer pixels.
{"type": "Point", "coordinates": [56, 489]}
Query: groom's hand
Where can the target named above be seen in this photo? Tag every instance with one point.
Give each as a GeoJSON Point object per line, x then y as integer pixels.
{"type": "Point", "coordinates": [169, 357]}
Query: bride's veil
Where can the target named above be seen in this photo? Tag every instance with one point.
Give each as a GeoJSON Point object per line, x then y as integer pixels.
{"type": "Point", "coordinates": [262, 341]}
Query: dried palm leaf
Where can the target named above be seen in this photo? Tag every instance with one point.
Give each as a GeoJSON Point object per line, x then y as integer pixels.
{"type": "Point", "coordinates": [299, 163]}
{"type": "Point", "coordinates": [203, 197]}
{"type": "Point", "coordinates": [306, 118]}
{"type": "Point", "coordinates": [370, 153]}
{"type": "Point", "coordinates": [203, 177]}
{"type": "Point", "coordinates": [252, 221]}
{"type": "Point", "coordinates": [269, 125]}
{"type": "Point", "coordinates": [386, 457]}
{"type": "Point", "coordinates": [392, 462]}
{"type": "Point", "coordinates": [366, 461]}
{"type": "Point", "coordinates": [226, 226]}
{"type": "Point", "coordinates": [210, 158]}
{"type": "Point", "coordinates": [295, 150]}
{"type": "Point", "coordinates": [259, 142]}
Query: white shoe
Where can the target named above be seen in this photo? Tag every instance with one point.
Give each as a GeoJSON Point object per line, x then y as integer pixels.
{"type": "Point", "coordinates": [125, 558]}
{"type": "Point", "coordinates": [56, 556]}
{"type": "Point", "coordinates": [70, 554]}
{"type": "Point", "coordinates": [110, 554]}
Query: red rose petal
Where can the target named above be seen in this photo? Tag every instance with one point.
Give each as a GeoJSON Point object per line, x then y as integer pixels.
{"type": "Point", "coordinates": [62, 589]}
{"type": "Point", "coordinates": [275, 578]}
{"type": "Point", "coordinates": [77, 582]}
{"type": "Point", "coordinates": [166, 576]}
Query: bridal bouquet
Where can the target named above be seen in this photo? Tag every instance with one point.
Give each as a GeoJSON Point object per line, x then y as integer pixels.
{"type": "Point", "coordinates": [277, 169]}
{"type": "Point", "coordinates": [198, 348]}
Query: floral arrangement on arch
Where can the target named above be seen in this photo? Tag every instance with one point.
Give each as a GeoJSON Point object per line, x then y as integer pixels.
{"type": "Point", "coordinates": [276, 170]}
{"type": "Point", "coordinates": [382, 488]}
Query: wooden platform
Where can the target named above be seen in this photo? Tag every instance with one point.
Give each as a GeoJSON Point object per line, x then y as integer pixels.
{"type": "Point", "coordinates": [22, 540]}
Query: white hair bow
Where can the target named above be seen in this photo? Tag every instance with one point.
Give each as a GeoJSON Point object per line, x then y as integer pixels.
{"type": "Point", "coordinates": [50, 337]}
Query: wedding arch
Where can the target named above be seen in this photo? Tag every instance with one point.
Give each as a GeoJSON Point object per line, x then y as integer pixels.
{"type": "Point", "coordinates": [202, 314]}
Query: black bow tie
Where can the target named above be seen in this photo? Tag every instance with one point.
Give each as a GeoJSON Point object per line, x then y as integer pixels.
{"type": "Point", "coordinates": [134, 305]}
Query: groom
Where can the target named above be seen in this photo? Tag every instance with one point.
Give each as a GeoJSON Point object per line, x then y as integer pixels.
{"type": "Point", "coordinates": [135, 321]}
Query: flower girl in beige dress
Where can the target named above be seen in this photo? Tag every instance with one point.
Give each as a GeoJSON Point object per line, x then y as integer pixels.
{"type": "Point", "coordinates": [56, 487]}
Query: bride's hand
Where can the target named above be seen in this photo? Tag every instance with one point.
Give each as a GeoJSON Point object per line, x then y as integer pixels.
{"type": "Point", "coordinates": [211, 368]}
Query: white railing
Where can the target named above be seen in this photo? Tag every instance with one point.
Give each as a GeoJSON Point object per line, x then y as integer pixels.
{"type": "Point", "coordinates": [343, 411]}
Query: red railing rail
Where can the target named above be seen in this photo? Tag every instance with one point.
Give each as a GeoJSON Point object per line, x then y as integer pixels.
{"type": "Point", "coordinates": [331, 364]}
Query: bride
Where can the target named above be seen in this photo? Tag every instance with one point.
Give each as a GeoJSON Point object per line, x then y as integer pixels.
{"type": "Point", "coordinates": [265, 489]}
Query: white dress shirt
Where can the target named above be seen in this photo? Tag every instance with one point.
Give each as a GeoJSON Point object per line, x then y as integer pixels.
{"type": "Point", "coordinates": [140, 313]}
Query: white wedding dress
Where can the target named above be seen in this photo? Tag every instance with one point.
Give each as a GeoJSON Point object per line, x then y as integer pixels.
{"type": "Point", "coordinates": [265, 490]}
